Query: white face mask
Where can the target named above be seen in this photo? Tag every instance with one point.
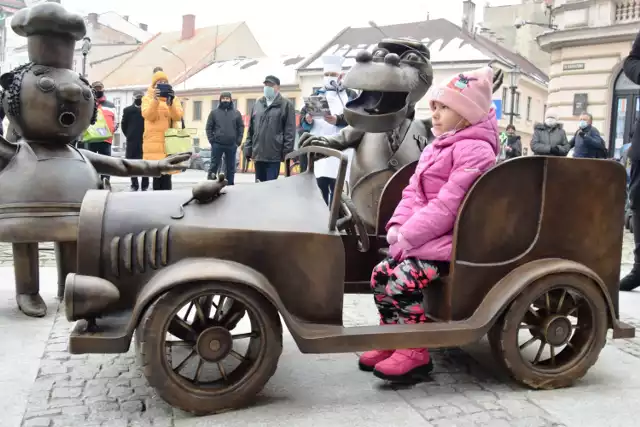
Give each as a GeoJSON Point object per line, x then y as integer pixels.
{"type": "Point", "coordinates": [550, 121]}
{"type": "Point", "coordinates": [440, 135]}
{"type": "Point", "coordinates": [331, 82]}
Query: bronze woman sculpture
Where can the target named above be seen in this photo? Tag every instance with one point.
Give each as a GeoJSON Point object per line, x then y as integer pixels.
{"type": "Point", "coordinates": [43, 177]}
{"type": "Point", "coordinates": [382, 124]}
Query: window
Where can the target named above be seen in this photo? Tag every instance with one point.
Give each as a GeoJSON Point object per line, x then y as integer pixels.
{"type": "Point", "coordinates": [250, 104]}
{"type": "Point", "coordinates": [197, 110]}
{"type": "Point", "coordinates": [528, 108]}
{"type": "Point", "coordinates": [544, 111]}
{"type": "Point", "coordinates": [516, 106]}
{"type": "Point", "coordinates": [316, 88]}
{"type": "Point", "coordinates": [504, 98]}
{"type": "Point", "coordinates": [196, 142]}
{"type": "Point", "coordinates": [214, 104]}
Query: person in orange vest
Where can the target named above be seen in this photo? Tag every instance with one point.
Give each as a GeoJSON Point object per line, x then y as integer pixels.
{"type": "Point", "coordinates": [109, 113]}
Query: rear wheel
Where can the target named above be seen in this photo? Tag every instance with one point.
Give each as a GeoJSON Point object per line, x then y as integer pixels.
{"type": "Point", "coordinates": [553, 331]}
{"type": "Point", "coordinates": [211, 366]}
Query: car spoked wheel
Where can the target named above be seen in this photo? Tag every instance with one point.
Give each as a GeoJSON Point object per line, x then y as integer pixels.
{"type": "Point", "coordinates": [553, 332]}
{"type": "Point", "coordinates": [212, 367]}
{"type": "Point", "coordinates": [187, 324]}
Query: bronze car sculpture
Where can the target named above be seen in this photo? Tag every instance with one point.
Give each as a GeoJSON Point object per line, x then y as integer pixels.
{"type": "Point", "coordinates": [43, 177]}
{"type": "Point", "coordinates": [182, 275]}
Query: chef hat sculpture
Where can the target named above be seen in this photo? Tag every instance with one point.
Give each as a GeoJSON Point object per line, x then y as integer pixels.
{"type": "Point", "coordinates": [332, 63]}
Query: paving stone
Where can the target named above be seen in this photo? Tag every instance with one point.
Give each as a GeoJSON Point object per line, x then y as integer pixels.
{"type": "Point", "coordinates": [66, 392]}
{"type": "Point", "coordinates": [110, 390]}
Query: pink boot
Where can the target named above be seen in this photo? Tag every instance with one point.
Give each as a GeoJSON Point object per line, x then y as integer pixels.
{"type": "Point", "coordinates": [370, 359]}
{"type": "Point", "coordinates": [407, 366]}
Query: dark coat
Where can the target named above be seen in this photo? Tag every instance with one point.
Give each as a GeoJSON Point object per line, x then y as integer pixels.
{"type": "Point", "coordinates": [588, 144]}
{"type": "Point", "coordinates": [549, 141]}
{"type": "Point", "coordinates": [272, 130]}
{"type": "Point", "coordinates": [631, 69]}
{"type": "Point", "coordinates": [133, 128]}
{"type": "Point", "coordinates": [515, 144]}
{"type": "Point", "coordinates": [225, 126]}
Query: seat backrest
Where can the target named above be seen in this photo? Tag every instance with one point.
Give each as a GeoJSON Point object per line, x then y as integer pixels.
{"type": "Point", "coordinates": [392, 194]}
{"type": "Point", "coordinates": [532, 208]}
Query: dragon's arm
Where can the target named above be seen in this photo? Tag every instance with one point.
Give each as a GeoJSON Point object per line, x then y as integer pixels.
{"type": "Point", "coordinates": [348, 137]}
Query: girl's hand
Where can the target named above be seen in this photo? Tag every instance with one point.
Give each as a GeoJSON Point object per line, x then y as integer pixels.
{"type": "Point", "coordinates": [392, 234]}
{"type": "Point", "coordinates": [156, 93]}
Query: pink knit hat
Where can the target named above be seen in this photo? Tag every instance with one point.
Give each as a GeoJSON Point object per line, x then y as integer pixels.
{"type": "Point", "coordinates": [468, 94]}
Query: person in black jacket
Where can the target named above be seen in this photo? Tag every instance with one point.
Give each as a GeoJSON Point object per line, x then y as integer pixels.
{"type": "Point", "coordinates": [513, 146]}
{"type": "Point", "coordinates": [631, 69]}
{"type": "Point", "coordinates": [225, 130]}
{"type": "Point", "coordinates": [133, 129]}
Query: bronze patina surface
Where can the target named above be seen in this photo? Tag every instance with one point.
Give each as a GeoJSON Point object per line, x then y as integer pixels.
{"type": "Point", "coordinates": [184, 279]}
{"type": "Point", "coordinates": [383, 129]}
{"type": "Point", "coordinates": [43, 177]}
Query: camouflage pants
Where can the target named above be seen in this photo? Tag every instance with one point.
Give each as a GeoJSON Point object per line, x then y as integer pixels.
{"type": "Point", "coordinates": [397, 289]}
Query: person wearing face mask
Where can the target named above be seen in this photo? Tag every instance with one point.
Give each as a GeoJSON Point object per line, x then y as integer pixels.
{"type": "Point", "coordinates": [109, 112]}
{"type": "Point", "coordinates": [326, 170]}
{"type": "Point", "coordinates": [272, 131]}
{"type": "Point", "coordinates": [587, 142]}
{"type": "Point", "coordinates": [225, 130]}
{"type": "Point", "coordinates": [133, 129]}
{"type": "Point", "coordinates": [549, 138]}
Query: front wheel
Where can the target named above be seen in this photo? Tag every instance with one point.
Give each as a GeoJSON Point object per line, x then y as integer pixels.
{"type": "Point", "coordinates": [210, 367]}
{"type": "Point", "coordinates": [553, 331]}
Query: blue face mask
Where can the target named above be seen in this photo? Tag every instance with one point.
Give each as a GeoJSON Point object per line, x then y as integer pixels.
{"type": "Point", "coordinates": [583, 124]}
{"type": "Point", "coordinates": [269, 92]}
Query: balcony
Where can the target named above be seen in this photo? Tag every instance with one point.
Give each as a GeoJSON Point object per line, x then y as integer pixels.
{"type": "Point", "coordinates": [586, 22]}
{"type": "Point", "coordinates": [626, 11]}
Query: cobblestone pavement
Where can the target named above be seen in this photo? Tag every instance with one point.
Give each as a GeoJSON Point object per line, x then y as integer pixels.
{"type": "Point", "coordinates": [111, 391]}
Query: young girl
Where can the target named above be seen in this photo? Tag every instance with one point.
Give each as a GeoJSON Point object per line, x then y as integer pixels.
{"type": "Point", "coordinates": [420, 233]}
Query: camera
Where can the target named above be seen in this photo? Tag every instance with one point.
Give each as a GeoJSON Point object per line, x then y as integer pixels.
{"type": "Point", "coordinates": [519, 23]}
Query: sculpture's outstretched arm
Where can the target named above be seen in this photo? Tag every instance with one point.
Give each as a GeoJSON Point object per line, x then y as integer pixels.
{"type": "Point", "coordinates": [7, 151]}
{"type": "Point", "coordinates": [106, 165]}
{"type": "Point", "coordinates": [347, 138]}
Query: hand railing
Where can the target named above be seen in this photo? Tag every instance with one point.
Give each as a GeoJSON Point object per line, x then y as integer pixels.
{"type": "Point", "coordinates": [340, 179]}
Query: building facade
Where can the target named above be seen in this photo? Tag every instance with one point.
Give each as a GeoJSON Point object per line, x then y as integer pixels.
{"type": "Point", "coordinates": [244, 79]}
{"type": "Point", "coordinates": [587, 50]}
{"type": "Point", "coordinates": [498, 23]}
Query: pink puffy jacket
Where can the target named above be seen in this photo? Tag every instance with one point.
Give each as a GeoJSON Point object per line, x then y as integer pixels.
{"type": "Point", "coordinates": [445, 172]}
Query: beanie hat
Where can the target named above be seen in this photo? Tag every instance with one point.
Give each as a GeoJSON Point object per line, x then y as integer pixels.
{"type": "Point", "coordinates": [159, 75]}
{"type": "Point", "coordinates": [468, 94]}
{"type": "Point", "coordinates": [225, 95]}
{"type": "Point", "coordinates": [551, 113]}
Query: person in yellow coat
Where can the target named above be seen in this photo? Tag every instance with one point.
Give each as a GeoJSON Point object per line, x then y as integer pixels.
{"type": "Point", "coordinates": [161, 109]}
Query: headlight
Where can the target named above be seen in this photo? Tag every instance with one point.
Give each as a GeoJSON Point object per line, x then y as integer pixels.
{"type": "Point", "coordinates": [85, 297]}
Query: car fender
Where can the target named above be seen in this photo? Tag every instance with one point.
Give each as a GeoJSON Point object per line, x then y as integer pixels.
{"type": "Point", "coordinates": [198, 270]}
{"type": "Point", "coordinates": [510, 286]}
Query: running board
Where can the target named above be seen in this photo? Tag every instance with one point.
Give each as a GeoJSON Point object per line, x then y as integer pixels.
{"type": "Point", "coordinates": [325, 338]}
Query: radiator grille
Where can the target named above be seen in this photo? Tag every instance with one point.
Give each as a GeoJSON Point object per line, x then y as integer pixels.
{"type": "Point", "coordinates": [134, 253]}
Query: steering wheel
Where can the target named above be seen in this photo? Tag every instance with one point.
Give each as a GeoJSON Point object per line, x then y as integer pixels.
{"type": "Point", "coordinates": [351, 223]}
